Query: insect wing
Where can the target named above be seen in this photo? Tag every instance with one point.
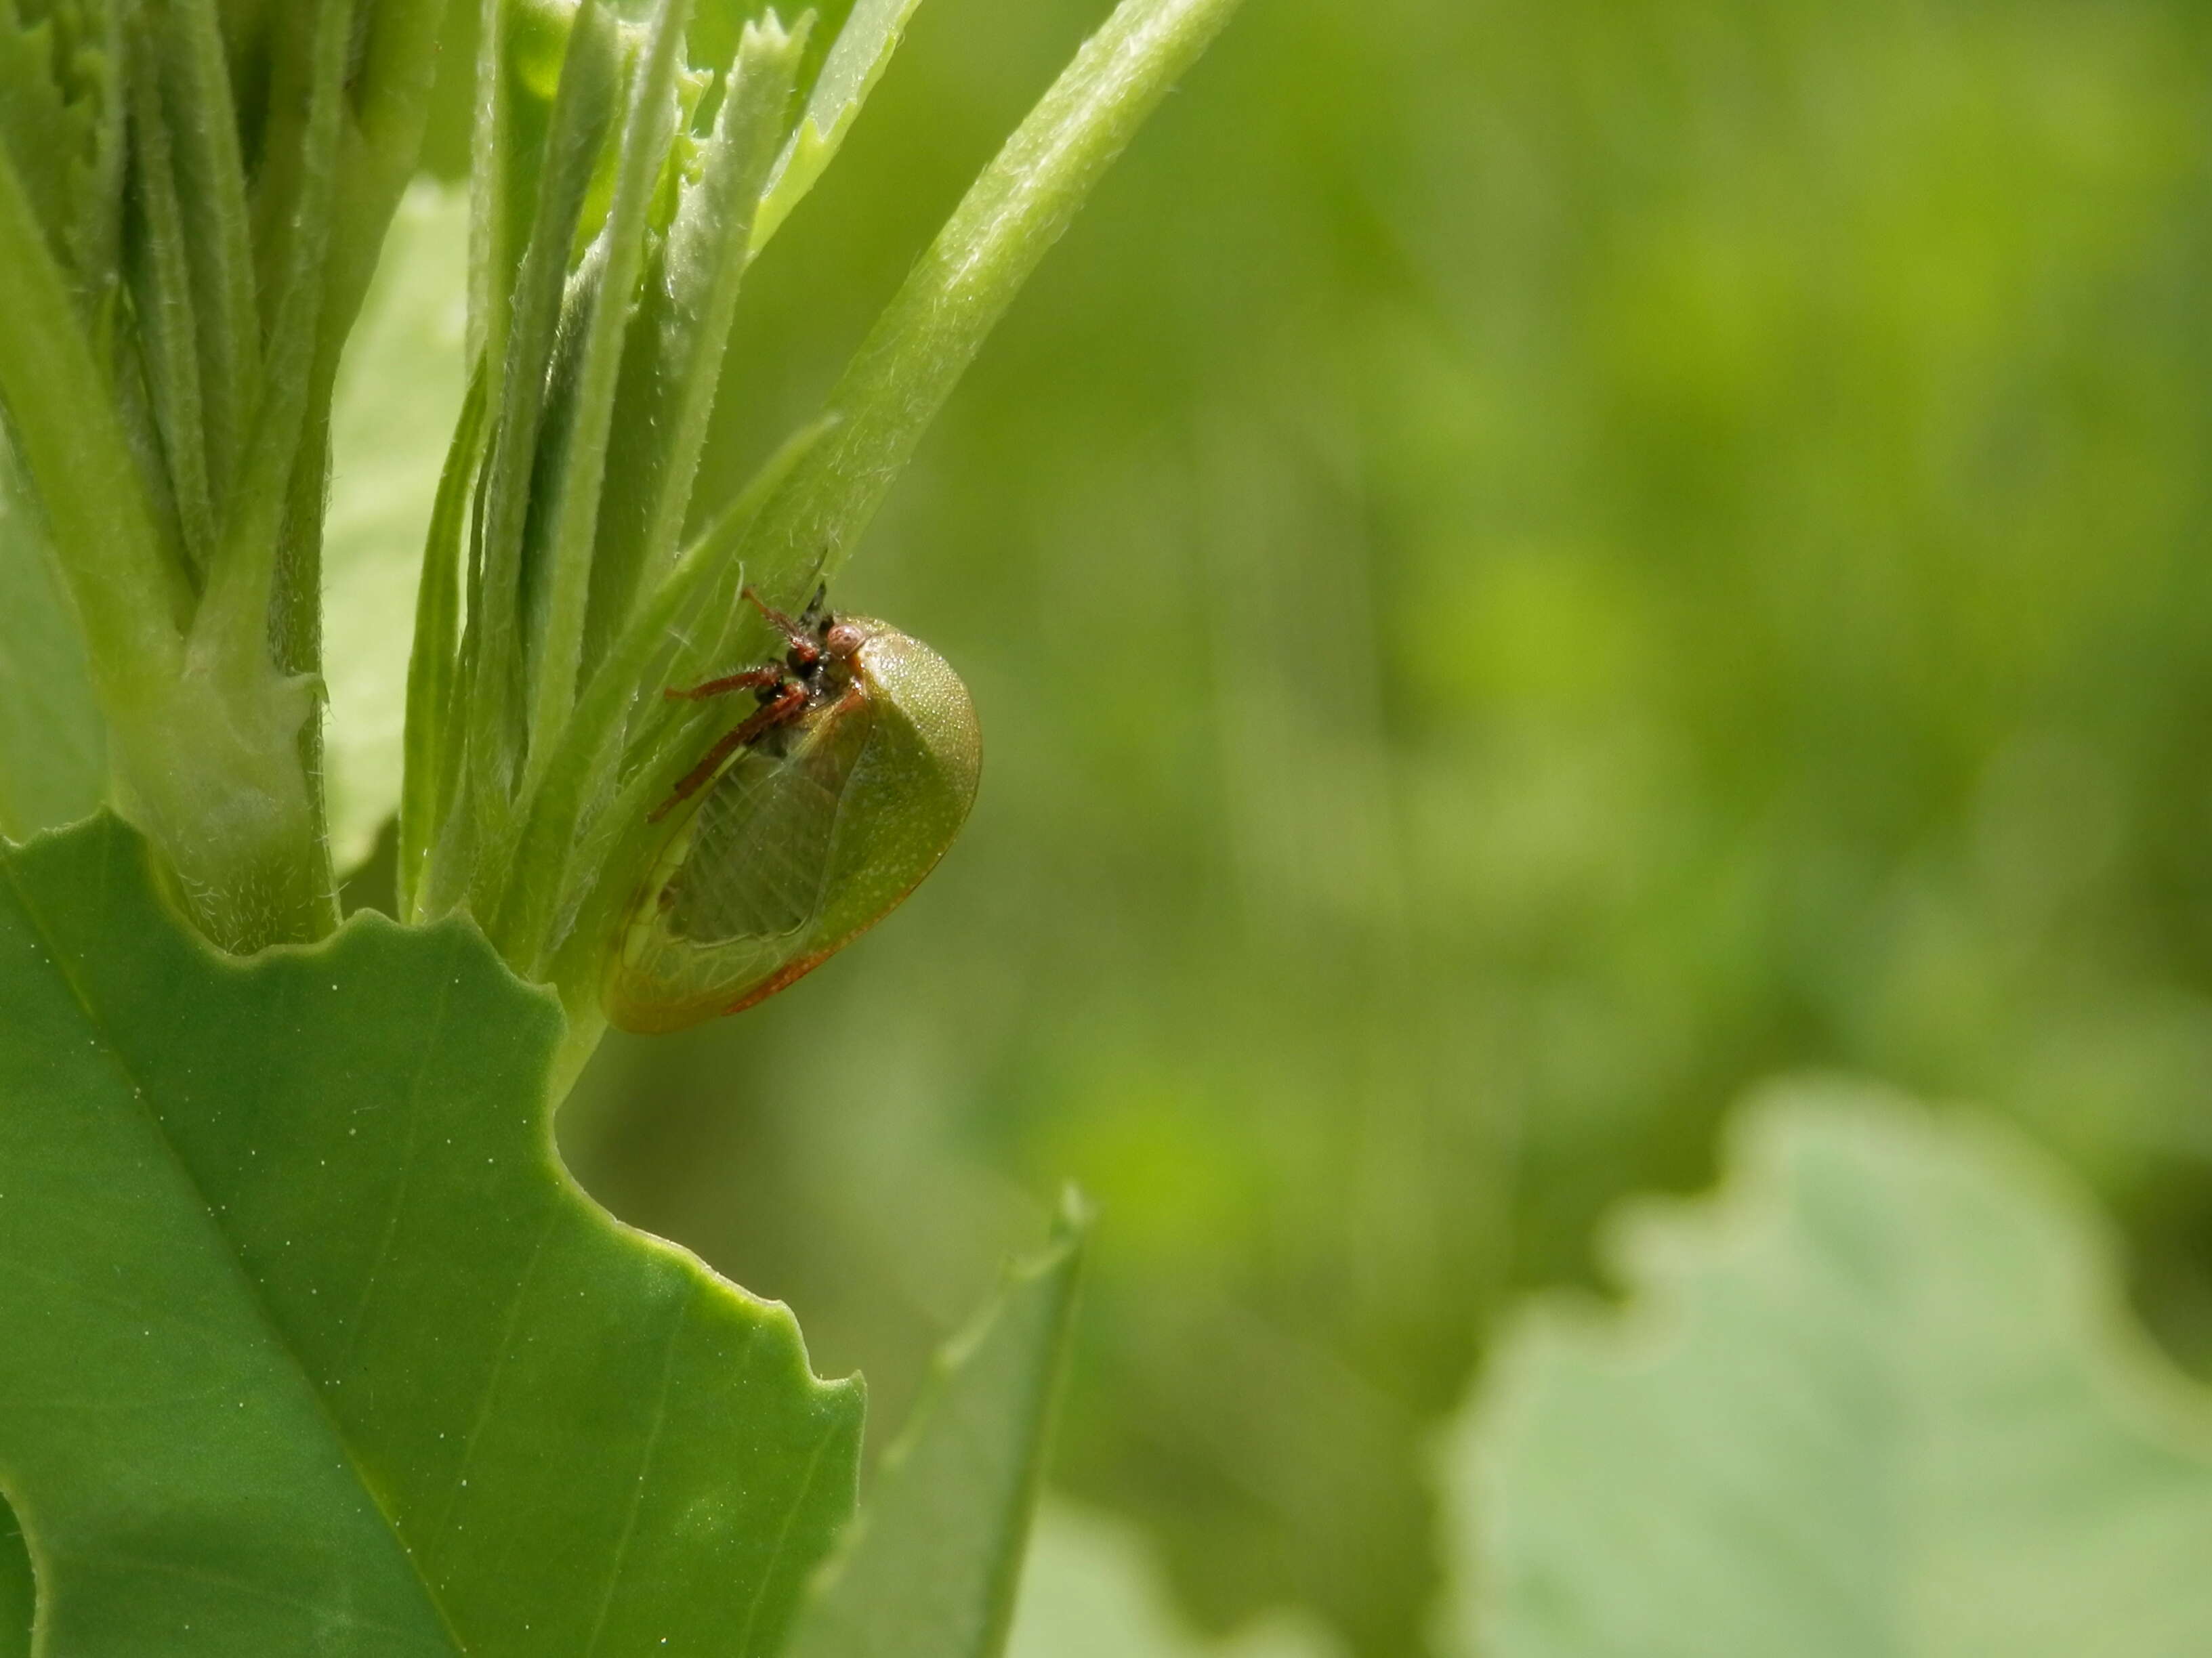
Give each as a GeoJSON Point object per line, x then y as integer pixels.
{"type": "Point", "coordinates": [737, 892]}
{"type": "Point", "coordinates": [760, 843]}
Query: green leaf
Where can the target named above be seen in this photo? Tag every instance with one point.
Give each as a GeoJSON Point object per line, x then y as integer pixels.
{"type": "Point", "coordinates": [573, 489]}
{"type": "Point", "coordinates": [298, 185]}
{"type": "Point", "coordinates": [718, 25]}
{"type": "Point", "coordinates": [677, 342]}
{"type": "Point", "coordinates": [1879, 1395]}
{"type": "Point", "coordinates": [931, 1566]}
{"type": "Point", "coordinates": [932, 329]}
{"type": "Point", "coordinates": [584, 110]}
{"type": "Point", "coordinates": [398, 395]}
{"type": "Point", "coordinates": [209, 181]}
{"type": "Point", "coordinates": [864, 48]}
{"type": "Point", "coordinates": [389, 88]}
{"type": "Point", "coordinates": [37, 127]}
{"type": "Point", "coordinates": [1091, 1589]}
{"type": "Point", "coordinates": [70, 438]}
{"type": "Point", "coordinates": [437, 677]}
{"type": "Point", "coordinates": [170, 333]}
{"type": "Point", "coordinates": [495, 242]}
{"type": "Point", "coordinates": [53, 748]}
{"type": "Point", "coordinates": [61, 122]}
{"type": "Point", "coordinates": [312, 1344]}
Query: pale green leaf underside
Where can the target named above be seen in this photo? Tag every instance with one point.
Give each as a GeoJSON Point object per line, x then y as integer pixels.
{"type": "Point", "coordinates": [1877, 1400]}
{"type": "Point", "coordinates": [53, 748]}
{"type": "Point", "coordinates": [934, 1564]}
{"type": "Point", "coordinates": [399, 392]}
{"type": "Point", "coordinates": [312, 1348]}
{"type": "Point", "coordinates": [1091, 1589]}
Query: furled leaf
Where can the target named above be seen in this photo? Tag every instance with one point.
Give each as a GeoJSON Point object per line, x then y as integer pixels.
{"type": "Point", "coordinates": [674, 354]}
{"type": "Point", "coordinates": [298, 202]}
{"type": "Point", "coordinates": [932, 1567]}
{"type": "Point", "coordinates": [209, 181]}
{"type": "Point", "coordinates": [312, 1346]}
{"type": "Point", "coordinates": [802, 532]}
{"type": "Point", "coordinates": [957, 292]}
{"type": "Point", "coordinates": [1090, 1589]}
{"type": "Point", "coordinates": [572, 472]}
{"type": "Point", "coordinates": [34, 117]}
{"type": "Point", "coordinates": [170, 333]}
{"type": "Point", "coordinates": [389, 83]}
{"type": "Point", "coordinates": [431, 737]}
{"type": "Point", "coordinates": [1878, 1396]}
{"type": "Point", "coordinates": [53, 766]}
{"type": "Point", "coordinates": [70, 435]}
{"type": "Point", "coordinates": [864, 48]}
{"type": "Point", "coordinates": [398, 393]}
{"type": "Point", "coordinates": [585, 107]}
{"type": "Point", "coordinates": [717, 25]}
{"type": "Point", "coordinates": [61, 125]}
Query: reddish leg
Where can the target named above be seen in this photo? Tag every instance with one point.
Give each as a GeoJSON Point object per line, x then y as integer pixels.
{"type": "Point", "coordinates": [787, 705]}
{"type": "Point", "coordinates": [782, 624]}
{"type": "Point", "coordinates": [754, 679]}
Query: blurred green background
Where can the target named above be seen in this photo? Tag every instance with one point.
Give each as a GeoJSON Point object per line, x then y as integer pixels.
{"type": "Point", "coordinates": [1524, 568]}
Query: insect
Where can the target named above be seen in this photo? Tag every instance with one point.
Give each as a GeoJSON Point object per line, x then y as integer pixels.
{"type": "Point", "coordinates": [815, 815]}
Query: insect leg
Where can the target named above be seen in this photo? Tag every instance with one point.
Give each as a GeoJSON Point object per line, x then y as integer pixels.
{"type": "Point", "coordinates": [788, 705]}
{"type": "Point", "coordinates": [755, 679]}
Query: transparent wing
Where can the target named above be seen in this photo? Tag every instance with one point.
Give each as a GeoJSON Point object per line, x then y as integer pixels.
{"type": "Point", "coordinates": [760, 845]}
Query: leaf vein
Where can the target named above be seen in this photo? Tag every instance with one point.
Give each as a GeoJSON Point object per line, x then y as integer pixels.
{"type": "Point", "coordinates": [783, 1536]}
{"type": "Point", "coordinates": [644, 1470]}
{"type": "Point", "coordinates": [110, 1051]}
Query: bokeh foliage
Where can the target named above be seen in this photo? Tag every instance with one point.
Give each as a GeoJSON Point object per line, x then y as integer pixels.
{"type": "Point", "coordinates": [1874, 1395]}
{"type": "Point", "coordinates": [1527, 566]}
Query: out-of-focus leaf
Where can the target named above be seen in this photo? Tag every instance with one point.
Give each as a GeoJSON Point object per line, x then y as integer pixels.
{"type": "Point", "coordinates": [287, 1262]}
{"type": "Point", "coordinates": [933, 1562]}
{"type": "Point", "coordinates": [53, 758]}
{"type": "Point", "coordinates": [399, 392]}
{"type": "Point", "coordinates": [1090, 1589]}
{"type": "Point", "coordinates": [1879, 1395]}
